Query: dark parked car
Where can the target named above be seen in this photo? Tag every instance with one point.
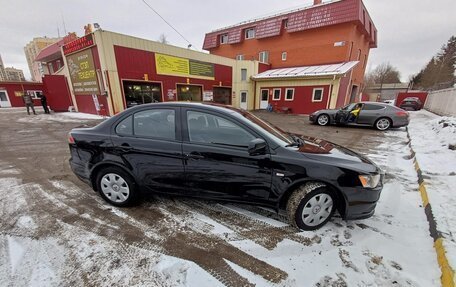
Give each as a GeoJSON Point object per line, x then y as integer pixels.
{"type": "Point", "coordinates": [411, 103]}
{"type": "Point", "coordinates": [381, 116]}
{"type": "Point", "coordinates": [221, 153]}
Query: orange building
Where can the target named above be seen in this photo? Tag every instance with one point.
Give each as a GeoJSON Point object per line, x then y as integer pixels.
{"type": "Point", "coordinates": [330, 33]}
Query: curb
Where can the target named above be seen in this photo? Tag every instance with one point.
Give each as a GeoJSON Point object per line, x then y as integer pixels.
{"type": "Point", "coordinates": [447, 279]}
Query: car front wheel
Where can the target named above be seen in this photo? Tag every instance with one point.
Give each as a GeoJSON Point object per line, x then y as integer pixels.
{"type": "Point", "coordinates": [116, 187]}
{"type": "Point", "coordinates": [310, 206]}
{"type": "Point", "coordinates": [382, 124]}
{"type": "Point", "coordinates": [323, 120]}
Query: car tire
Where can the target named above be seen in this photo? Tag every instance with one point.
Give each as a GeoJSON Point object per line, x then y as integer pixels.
{"type": "Point", "coordinates": [383, 124]}
{"type": "Point", "coordinates": [311, 206]}
{"type": "Point", "coordinates": [117, 187]}
{"type": "Point", "coordinates": [323, 120]}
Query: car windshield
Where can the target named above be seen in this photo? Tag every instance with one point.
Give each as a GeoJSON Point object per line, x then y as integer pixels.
{"type": "Point", "coordinates": [279, 136]}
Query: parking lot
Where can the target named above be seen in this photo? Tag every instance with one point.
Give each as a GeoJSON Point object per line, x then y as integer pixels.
{"type": "Point", "coordinates": [54, 230]}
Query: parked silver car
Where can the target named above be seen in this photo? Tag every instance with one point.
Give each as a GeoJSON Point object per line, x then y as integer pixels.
{"type": "Point", "coordinates": [378, 115]}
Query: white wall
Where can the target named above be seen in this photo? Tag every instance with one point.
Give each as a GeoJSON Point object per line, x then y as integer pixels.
{"type": "Point", "coordinates": [442, 102]}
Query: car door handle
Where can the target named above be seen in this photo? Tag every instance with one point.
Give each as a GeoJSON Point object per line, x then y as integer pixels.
{"type": "Point", "coordinates": [194, 155]}
{"type": "Point", "coordinates": [126, 146]}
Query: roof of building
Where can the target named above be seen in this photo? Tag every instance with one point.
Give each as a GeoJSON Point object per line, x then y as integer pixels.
{"type": "Point", "coordinates": [50, 53]}
{"type": "Point", "coordinates": [316, 16]}
{"type": "Point", "coordinates": [307, 71]}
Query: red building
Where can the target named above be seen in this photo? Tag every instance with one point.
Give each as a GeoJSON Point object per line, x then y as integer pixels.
{"type": "Point", "coordinates": [336, 32]}
{"type": "Point", "coordinates": [11, 93]}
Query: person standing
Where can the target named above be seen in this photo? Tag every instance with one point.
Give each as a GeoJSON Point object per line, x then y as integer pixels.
{"type": "Point", "coordinates": [44, 104]}
{"type": "Point", "coordinates": [28, 103]}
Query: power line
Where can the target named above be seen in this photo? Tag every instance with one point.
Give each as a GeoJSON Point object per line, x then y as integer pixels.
{"type": "Point", "coordinates": [169, 24]}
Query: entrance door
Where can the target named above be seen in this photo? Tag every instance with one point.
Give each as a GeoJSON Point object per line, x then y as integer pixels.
{"type": "Point", "coordinates": [4, 100]}
{"type": "Point", "coordinates": [222, 95]}
{"type": "Point", "coordinates": [354, 94]}
{"type": "Point", "coordinates": [244, 100]}
{"type": "Point", "coordinates": [264, 99]}
{"type": "Point", "coordinates": [138, 93]}
{"type": "Point", "coordinates": [189, 93]}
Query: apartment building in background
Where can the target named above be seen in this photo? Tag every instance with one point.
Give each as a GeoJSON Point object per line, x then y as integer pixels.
{"type": "Point", "coordinates": [14, 75]}
{"type": "Point", "coordinates": [32, 49]}
{"type": "Point", "coordinates": [2, 71]}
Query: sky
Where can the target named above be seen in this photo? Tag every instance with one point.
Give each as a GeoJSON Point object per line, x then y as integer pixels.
{"type": "Point", "coordinates": [410, 32]}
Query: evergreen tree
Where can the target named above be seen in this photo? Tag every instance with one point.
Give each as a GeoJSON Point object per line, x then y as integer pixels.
{"type": "Point", "coordinates": [439, 73]}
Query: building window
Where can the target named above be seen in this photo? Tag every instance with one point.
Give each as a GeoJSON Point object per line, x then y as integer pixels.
{"type": "Point", "coordinates": [359, 55]}
{"type": "Point", "coordinates": [276, 94]}
{"type": "Point", "coordinates": [51, 68]}
{"type": "Point", "coordinates": [289, 94]}
{"type": "Point", "coordinates": [264, 57]}
{"type": "Point", "coordinates": [317, 95]}
{"type": "Point", "coordinates": [240, 57]}
{"type": "Point", "coordinates": [285, 24]}
{"type": "Point", "coordinates": [224, 39]}
{"type": "Point", "coordinates": [284, 56]}
{"type": "Point", "coordinates": [35, 94]}
{"type": "Point", "coordinates": [59, 64]}
{"type": "Point", "coordinates": [365, 61]}
{"type": "Point", "coordinates": [243, 75]}
{"type": "Point", "coordinates": [250, 33]}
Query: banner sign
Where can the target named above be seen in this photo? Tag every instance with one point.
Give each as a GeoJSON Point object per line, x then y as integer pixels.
{"type": "Point", "coordinates": [82, 73]}
{"type": "Point", "coordinates": [78, 44]}
{"type": "Point", "coordinates": [175, 66]}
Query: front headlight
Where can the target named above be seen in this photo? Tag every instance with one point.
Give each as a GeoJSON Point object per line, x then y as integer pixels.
{"type": "Point", "coordinates": [370, 181]}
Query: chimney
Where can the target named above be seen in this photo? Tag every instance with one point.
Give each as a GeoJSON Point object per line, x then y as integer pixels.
{"type": "Point", "coordinates": [317, 2]}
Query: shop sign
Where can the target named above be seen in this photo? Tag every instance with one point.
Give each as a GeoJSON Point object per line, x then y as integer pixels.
{"type": "Point", "coordinates": [78, 44]}
{"type": "Point", "coordinates": [208, 96]}
{"type": "Point", "coordinates": [82, 73]}
{"type": "Point", "coordinates": [181, 67]}
{"type": "Point", "coordinates": [171, 94]}
{"type": "Point", "coordinates": [95, 102]}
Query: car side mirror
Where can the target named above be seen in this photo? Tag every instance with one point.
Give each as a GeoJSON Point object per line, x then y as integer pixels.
{"type": "Point", "coordinates": [257, 147]}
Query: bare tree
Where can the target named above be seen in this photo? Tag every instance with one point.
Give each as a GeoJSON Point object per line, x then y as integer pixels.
{"type": "Point", "coordinates": [384, 74]}
{"type": "Point", "coordinates": [163, 39]}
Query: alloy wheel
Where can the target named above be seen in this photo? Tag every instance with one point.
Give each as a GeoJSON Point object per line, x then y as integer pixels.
{"type": "Point", "coordinates": [323, 120]}
{"type": "Point", "coordinates": [383, 124]}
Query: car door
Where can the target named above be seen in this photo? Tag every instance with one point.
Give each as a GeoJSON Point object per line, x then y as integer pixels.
{"type": "Point", "coordinates": [370, 113]}
{"type": "Point", "coordinates": [217, 161]}
{"type": "Point", "coordinates": [342, 114]}
{"type": "Point", "coordinates": [149, 143]}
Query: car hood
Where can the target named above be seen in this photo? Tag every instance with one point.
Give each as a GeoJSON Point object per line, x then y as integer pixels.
{"type": "Point", "coordinates": [325, 151]}
{"type": "Point", "coordinates": [329, 112]}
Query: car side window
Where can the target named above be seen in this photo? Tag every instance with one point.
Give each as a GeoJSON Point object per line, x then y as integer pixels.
{"type": "Point", "coordinates": [125, 127]}
{"type": "Point", "coordinates": [155, 123]}
{"type": "Point", "coordinates": [211, 129]}
{"type": "Point", "coordinates": [372, 107]}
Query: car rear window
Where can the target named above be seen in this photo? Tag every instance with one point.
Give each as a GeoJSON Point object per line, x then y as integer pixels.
{"type": "Point", "coordinates": [155, 123]}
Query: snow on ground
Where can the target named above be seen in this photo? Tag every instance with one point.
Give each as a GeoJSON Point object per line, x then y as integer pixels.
{"type": "Point", "coordinates": [55, 231]}
{"type": "Point", "coordinates": [67, 117]}
{"type": "Point", "coordinates": [431, 136]}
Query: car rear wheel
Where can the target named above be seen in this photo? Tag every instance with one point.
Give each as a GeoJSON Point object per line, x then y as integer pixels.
{"type": "Point", "coordinates": [382, 124]}
{"type": "Point", "coordinates": [310, 206]}
{"type": "Point", "coordinates": [116, 186]}
{"type": "Point", "coordinates": [323, 120]}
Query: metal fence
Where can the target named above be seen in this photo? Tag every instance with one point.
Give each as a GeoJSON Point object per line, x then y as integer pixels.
{"type": "Point", "coordinates": [442, 102]}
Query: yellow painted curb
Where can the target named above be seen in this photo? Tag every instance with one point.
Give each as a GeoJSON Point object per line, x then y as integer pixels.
{"type": "Point", "coordinates": [447, 277]}
{"type": "Point", "coordinates": [417, 167]}
{"type": "Point", "coordinates": [424, 195]}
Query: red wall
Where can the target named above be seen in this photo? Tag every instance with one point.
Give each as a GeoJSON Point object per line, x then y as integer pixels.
{"type": "Point", "coordinates": [302, 102]}
{"type": "Point", "coordinates": [401, 96]}
{"type": "Point", "coordinates": [12, 87]}
{"type": "Point", "coordinates": [132, 64]}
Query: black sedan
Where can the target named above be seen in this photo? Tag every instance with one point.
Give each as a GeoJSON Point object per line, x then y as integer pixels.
{"type": "Point", "coordinates": [221, 153]}
{"type": "Point", "coordinates": [381, 116]}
